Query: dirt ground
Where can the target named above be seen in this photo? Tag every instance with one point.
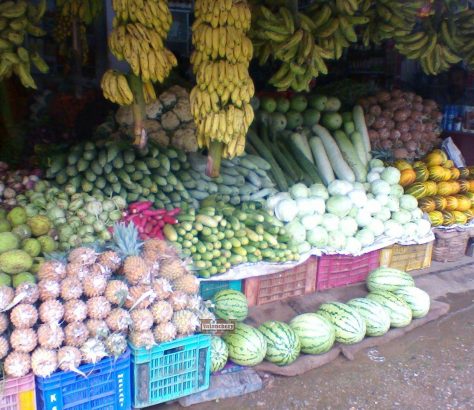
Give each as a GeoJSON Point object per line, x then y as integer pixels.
{"type": "Point", "coordinates": [431, 368]}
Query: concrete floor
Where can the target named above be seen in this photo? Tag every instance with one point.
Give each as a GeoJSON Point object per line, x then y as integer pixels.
{"type": "Point", "coordinates": [431, 367]}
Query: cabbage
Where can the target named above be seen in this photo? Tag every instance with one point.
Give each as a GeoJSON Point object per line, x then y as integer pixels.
{"type": "Point", "coordinates": [376, 227]}
{"type": "Point", "coordinates": [353, 246]}
{"type": "Point", "coordinates": [373, 176]}
{"type": "Point", "coordinates": [305, 206]}
{"type": "Point", "coordinates": [373, 206]}
{"type": "Point", "coordinates": [304, 247]}
{"type": "Point", "coordinates": [393, 204]}
{"type": "Point", "coordinates": [311, 221]}
{"type": "Point", "coordinates": [383, 215]}
{"type": "Point", "coordinates": [297, 231]}
{"type": "Point", "coordinates": [353, 213]}
{"type": "Point", "coordinates": [336, 240]}
{"type": "Point", "coordinates": [348, 226]}
{"type": "Point", "coordinates": [424, 227]}
{"type": "Point", "coordinates": [363, 218]}
{"type": "Point", "coordinates": [358, 186]}
{"type": "Point", "coordinates": [396, 190]}
{"type": "Point", "coordinates": [408, 202]}
{"type": "Point", "coordinates": [402, 216]}
{"type": "Point", "coordinates": [366, 237]}
{"type": "Point", "coordinates": [375, 163]}
{"type": "Point", "coordinates": [391, 175]}
{"type": "Point", "coordinates": [393, 229]}
{"type": "Point", "coordinates": [358, 198]}
{"type": "Point", "coordinates": [286, 210]}
{"type": "Point", "coordinates": [380, 187]}
{"type": "Point", "coordinates": [272, 201]}
{"type": "Point", "coordinates": [338, 187]}
{"type": "Point", "coordinates": [339, 205]}
{"type": "Point", "coordinates": [382, 199]}
{"type": "Point", "coordinates": [410, 230]}
{"type": "Point", "coordinates": [318, 204]}
{"type": "Point", "coordinates": [319, 190]}
{"type": "Point", "coordinates": [299, 191]}
{"type": "Point", "coordinates": [318, 237]}
{"type": "Point", "coordinates": [416, 214]}
{"type": "Point", "coordinates": [330, 222]}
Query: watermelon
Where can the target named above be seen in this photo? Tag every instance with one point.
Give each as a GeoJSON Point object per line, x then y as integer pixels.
{"type": "Point", "coordinates": [388, 279]}
{"type": "Point", "coordinates": [348, 323]}
{"type": "Point", "coordinates": [247, 346]}
{"type": "Point", "coordinates": [219, 354]}
{"type": "Point", "coordinates": [417, 299]}
{"type": "Point", "coordinates": [283, 345]}
{"type": "Point", "coordinates": [377, 319]}
{"type": "Point", "coordinates": [230, 304]}
{"type": "Point", "coordinates": [398, 310]}
{"type": "Point", "coordinates": [316, 334]}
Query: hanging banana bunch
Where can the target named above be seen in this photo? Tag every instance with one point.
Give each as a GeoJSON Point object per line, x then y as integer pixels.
{"type": "Point", "coordinates": [18, 19]}
{"type": "Point", "coordinates": [461, 34]}
{"type": "Point", "coordinates": [220, 101]}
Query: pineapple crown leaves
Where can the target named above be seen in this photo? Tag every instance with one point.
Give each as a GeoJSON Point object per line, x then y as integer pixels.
{"type": "Point", "coordinates": [56, 256]}
{"type": "Point", "coordinates": [126, 240]}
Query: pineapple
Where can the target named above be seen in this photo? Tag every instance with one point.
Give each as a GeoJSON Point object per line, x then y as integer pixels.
{"type": "Point", "coordinates": [51, 311]}
{"type": "Point", "coordinates": [118, 320]}
{"type": "Point", "coordinates": [186, 322]}
{"type": "Point", "coordinates": [44, 362]}
{"type": "Point", "coordinates": [69, 358]}
{"type": "Point", "coordinates": [140, 297]}
{"type": "Point", "coordinates": [48, 289]}
{"type": "Point", "coordinates": [172, 268]}
{"type": "Point", "coordinates": [6, 296]}
{"type": "Point", "coordinates": [187, 283]}
{"type": "Point", "coordinates": [142, 320]}
{"type": "Point", "coordinates": [97, 328]}
{"type": "Point", "coordinates": [93, 351]}
{"type": "Point", "coordinates": [17, 364]}
{"type": "Point", "coordinates": [24, 316]}
{"type": "Point", "coordinates": [162, 288]}
{"type": "Point", "coordinates": [98, 307]}
{"type": "Point", "coordinates": [71, 288]}
{"type": "Point", "coordinates": [4, 347]}
{"type": "Point", "coordinates": [50, 336]}
{"type": "Point", "coordinates": [98, 269]}
{"type": "Point", "coordinates": [76, 334]}
{"type": "Point", "coordinates": [142, 339]}
{"type": "Point", "coordinates": [162, 311]}
{"type": "Point", "coordinates": [165, 332]}
{"type": "Point", "coordinates": [77, 270]}
{"type": "Point", "coordinates": [128, 245]}
{"type": "Point", "coordinates": [116, 344]}
{"type": "Point", "coordinates": [152, 257]}
{"type": "Point", "coordinates": [75, 310]}
{"type": "Point", "coordinates": [110, 260]}
{"type": "Point", "coordinates": [23, 340]}
{"type": "Point", "coordinates": [29, 292]}
{"type": "Point", "coordinates": [3, 322]}
{"type": "Point", "coordinates": [194, 303]}
{"type": "Point", "coordinates": [83, 255]}
{"type": "Point", "coordinates": [116, 292]}
{"type": "Point", "coordinates": [158, 246]}
{"type": "Point", "coordinates": [52, 269]}
{"type": "Point", "coordinates": [178, 300]}
{"type": "Point", "coordinates": [94, 285]}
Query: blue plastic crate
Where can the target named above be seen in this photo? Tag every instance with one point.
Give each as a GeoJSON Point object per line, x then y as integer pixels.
{"type": "Point", "coordinates": [170, 370]}
{"type": "Point", "coordinates": [208, 289]}
{"type": "Point", "coordinates": [106, 387]}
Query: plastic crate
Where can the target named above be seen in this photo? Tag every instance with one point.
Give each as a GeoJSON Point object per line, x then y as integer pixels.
{"type": "Point", "coordinates": [18, 393]}
{"type": "Point", "coordinates": [170, 370]}
{"type": "Point", "coordinates": [340, 270]}
{"type": "Point", "coordinates": [407, 257]}
{"type": "Point", "coordinates": [106, 387]}
{"type": "Point", "coordinates": [296, 281]}
{"type": "Point", "coordinates": [208, 289]}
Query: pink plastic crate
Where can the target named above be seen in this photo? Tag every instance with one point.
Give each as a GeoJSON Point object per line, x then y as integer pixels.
{"type": "Point", "coordinates": [335, 271]}
{"type": "Point", "coordinates": [18, 393]}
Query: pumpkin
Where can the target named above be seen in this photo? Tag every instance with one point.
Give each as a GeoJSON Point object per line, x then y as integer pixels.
{"type": "Point", "coordinates": [464, 203]}
{"type": "Point", "coordinates": [437, 173]}
{"type": "Point", "coordinates": [401, 165]}
{"type": "Point", "coordinates": [422, 173]}
{"type": "Point", "coordinates": [455, 174]}
{"type": "Point", "coordinates": [431, 188]}
{"type": "Point", "coordinates": [436, 157]}
{"type": "Point", "coordinates": [436, 218]}
{"type": "Point", "coordinates": [459, 217]}
{"type": "Point", "coordinates": [445, 188]}
{"type": "Point", "coordinates": [407, 177]}
{"type": "Point", "coordinates": [418, 190]}
{"type": "Point", "coordinates": [427, 204]}
{"type": "Point", "coordinates": [449, 164]}
{"type": "Point", "coordinates": [448, 218]}
{"type": "Point", "coordinates": [440, 202]}
{"type": "Point", "coordinates": [464, 185]}
{"type": "Point", "coordinates": [451, 203]}
{"type": "Point", "coordinates": [464, 173]}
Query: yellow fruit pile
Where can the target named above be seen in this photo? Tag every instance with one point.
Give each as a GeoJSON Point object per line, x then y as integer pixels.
{"type": "Point", "coordinates": [220, 102]}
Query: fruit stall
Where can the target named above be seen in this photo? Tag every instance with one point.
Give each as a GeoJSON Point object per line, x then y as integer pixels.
{"type": "Point", "coordinates": [171, 172]}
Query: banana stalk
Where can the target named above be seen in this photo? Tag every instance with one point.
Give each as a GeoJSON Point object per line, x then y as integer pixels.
{"type": "Point", "coordinates": [214, 158]}
{"type": "Point", "coordinates": [139, 111]}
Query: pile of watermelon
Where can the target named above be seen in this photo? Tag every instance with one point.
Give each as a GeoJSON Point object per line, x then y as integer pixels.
{"type": "Point", "coordinates": [393, 301]}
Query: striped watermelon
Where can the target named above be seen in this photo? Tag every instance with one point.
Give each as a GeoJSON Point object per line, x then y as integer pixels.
{"type": "Point", "coordinates": [377, 319]}
{"type": "Point", "coordinates": [219, 354]}
{"type": "Point", "coordinates": [246, 345]}
{"type": "Point", "coordinates": [349, 325]}
{"type": "Point", "coordinates": [316, 334]}
{"type": "Point", "coordinates": [388, 279]}
{"type": "Point", "coordinates": [283, 345]}
{"type": "Point", "coordinates": [230, 304]}
{"type": "Point", "coordinates": [398, 310]}
{"type": "Point", "coordinates": [417, 299]}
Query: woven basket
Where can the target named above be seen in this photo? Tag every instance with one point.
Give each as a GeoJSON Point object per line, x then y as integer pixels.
{"type": "Point", "coordinates": [450, 245]}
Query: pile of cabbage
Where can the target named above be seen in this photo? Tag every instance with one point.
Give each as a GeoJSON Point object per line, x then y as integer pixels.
{"type": "Point", "coordinates": [347, 217]}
